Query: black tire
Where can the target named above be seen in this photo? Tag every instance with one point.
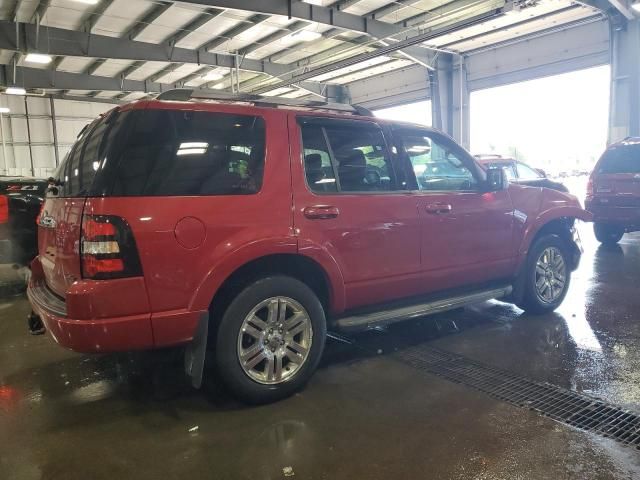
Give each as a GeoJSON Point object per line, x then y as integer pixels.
{"type": "Point", "coordinates": [608, 234]}
{"type": "Point", "coordinates": [531, 301]}
{"type": "Point", "coordinates": [241, 385]}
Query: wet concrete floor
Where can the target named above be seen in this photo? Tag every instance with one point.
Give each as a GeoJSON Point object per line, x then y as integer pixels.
{"type": "Point", "coordinates": [364, 415]}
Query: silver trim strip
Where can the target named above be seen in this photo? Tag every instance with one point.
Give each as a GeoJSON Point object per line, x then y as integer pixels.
{"type": "Point", "coordinates": [45, 299]}
{"type": "Point", "coordinates": [421, 309]}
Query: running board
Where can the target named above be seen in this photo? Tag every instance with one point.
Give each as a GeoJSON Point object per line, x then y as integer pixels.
{"type": "Point", "coordinates": [373, 319]}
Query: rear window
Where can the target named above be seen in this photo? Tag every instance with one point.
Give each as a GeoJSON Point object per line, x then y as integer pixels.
{"type": "Point", "coordinates": [169, 152]}
{"type": "Point", "coordinates": [621, 159]}
{"type": "Point", "coordinates": [76, 174]}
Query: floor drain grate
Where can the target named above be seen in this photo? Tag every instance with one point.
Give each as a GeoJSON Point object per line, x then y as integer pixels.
{"type": "Point", "coordinates": [572, 408]}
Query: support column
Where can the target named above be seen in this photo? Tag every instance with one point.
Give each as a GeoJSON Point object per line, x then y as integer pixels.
{"type": "Point", "coordinates": [450, 98]}
{"type": "Point", "coordinates": [624, 109]}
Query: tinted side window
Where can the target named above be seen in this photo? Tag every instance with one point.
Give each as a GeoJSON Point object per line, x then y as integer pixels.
{"type": "Point", "coordinates": [317, 160]}
{"type": "Point", "coordinates": [436, 164]}
{"type": "Point", "coordinates": [172, 152]}
{"type": "Point", "coordinates": [621, 159]}
{"type": "Point", "coordinates": [361, 158]}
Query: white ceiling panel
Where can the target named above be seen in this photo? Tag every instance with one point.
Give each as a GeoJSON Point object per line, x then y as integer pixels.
{"type": "Point", "coordinates": [146, 70]}
{"type": "Point", "coordinates": [352, 68]}
{"type": "Point", "coordinates": [167, 24]}
{"type": "Point", "coordinates": [214, 29]}
{"type": "Point", "coordinates": [121, 15]}
{"type": "Point", "coordinates": [112, 68]}
{"type": "Point", "coordinates": [66, 14]}
{"type": "Point", "coordinates": [75, 64]}
{"type": "Point", "coordinates": [179, 73]}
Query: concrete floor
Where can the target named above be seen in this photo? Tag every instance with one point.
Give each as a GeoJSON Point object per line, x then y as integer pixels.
{"type": "Point", "coordinates": [363, 415]}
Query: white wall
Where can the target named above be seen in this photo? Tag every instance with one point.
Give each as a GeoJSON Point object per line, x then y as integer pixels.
{"type": "Point", "coordinates": [16, 157]}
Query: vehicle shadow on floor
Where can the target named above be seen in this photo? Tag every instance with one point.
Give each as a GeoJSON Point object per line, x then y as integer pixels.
{"type": "Point", "coordinates": [86, 390]}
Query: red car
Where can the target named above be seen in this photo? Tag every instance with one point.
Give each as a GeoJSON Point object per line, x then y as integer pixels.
{"type": "Point", "coordinates": [519, 172]}
{"type": "Point", "coordinates": [254, 227]}
{"type": "Point", "coordinates": [613, 191]}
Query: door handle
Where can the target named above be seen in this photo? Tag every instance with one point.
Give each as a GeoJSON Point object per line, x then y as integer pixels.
{"type": "Point", "coordinates": [438, 208]}
{"type": "Point", "coordinates": [321, 212]}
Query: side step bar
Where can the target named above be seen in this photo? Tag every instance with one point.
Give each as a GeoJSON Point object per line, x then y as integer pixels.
{"type": "Point", "coordinates": [369, 320]}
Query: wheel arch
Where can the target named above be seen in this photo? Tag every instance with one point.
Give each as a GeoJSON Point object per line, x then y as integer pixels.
{"type": "Point", "coordinates": [301, 267]}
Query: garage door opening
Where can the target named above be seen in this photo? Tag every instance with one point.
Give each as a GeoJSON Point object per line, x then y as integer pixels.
{"type": "Point", "coordinates": [556, 123]}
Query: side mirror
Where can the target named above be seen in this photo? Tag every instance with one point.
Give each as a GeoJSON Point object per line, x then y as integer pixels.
{"type": "Point", "coordinates": [541, 172]}
{"type": "Point", "coordinates": [496, 180]}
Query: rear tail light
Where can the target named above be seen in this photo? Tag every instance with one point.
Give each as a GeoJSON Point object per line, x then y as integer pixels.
{"type": "Point", "coordinates": [4, 209]}
{"type": "Point", "coordinates": [590, 187]}
{"type": "Point", "coordinates": [108, 249]}
{"type": "Point", "coordinates": [40, 214]}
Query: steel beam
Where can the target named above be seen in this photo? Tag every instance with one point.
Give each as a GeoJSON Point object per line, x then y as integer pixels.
{"type": "Point", "coordinates": [36, 78]}
{"type": "Point", "coordinates": [412, 40]}
{"type": "Point", "coordinates": [624, 7]}
{"type": "Point", "coordinates": [323, 15]}
{"type": "Point", "coordinates": [81, 44]}
{"type": "Point", "coordinates": [32, 78]}
{"type": "Point", "coordinates": [624, 119]}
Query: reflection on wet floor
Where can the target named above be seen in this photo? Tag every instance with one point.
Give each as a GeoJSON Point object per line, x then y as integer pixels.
{"type": "Point", "coordinates": [358, 417]}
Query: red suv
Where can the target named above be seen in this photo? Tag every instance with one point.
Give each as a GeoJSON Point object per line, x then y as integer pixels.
{"type": "Point", "coordinates": [245, 229]}
{"type": "Point", "coordinates": [613, 191]}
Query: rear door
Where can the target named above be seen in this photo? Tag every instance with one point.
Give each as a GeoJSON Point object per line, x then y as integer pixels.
{"type": "Point", "coordinates": [59, 226]}
{"type": "Point", "coordinates": [349, 206]}
{"type": "Point", "coordinates": [466, 234]}
{"type": "Point", "coordinates": [618, 176]}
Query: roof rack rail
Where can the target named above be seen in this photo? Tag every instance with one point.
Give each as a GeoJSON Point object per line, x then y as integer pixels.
{"type": "Point", "coordinates": [185, 94]}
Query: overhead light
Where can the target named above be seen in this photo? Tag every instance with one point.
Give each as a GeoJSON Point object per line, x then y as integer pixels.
{"type": "Point", "coordinates": [15, 91]}
{"type": "Point", "coordinates": [193, 145]}
{"type": "Point", "coordinates": [4, 110]}
{"type": "Point", "coordinates": [88, 2]}
{"type": "Point", "coordinates": [306, 35]}
{"type": "Point", "coordinates": [212, 76]}
{"type": "Point", "coordinates": [37, 58]}
{"type": "Point", "coordinates": [636, 6]}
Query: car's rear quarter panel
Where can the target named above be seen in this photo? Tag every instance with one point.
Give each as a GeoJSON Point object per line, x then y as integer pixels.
{"type": "Point", "coordinates": [184, 265]}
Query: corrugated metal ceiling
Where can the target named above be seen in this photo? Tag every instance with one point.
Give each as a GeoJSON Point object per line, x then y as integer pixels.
{"type": "Point", "coordinates": [121, 17]}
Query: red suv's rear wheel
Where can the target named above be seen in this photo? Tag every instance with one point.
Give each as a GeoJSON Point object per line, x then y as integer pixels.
{"type": "Point", "coordinates": [270, 339]}
{"type": "Point", "coordinates": [608, 234]}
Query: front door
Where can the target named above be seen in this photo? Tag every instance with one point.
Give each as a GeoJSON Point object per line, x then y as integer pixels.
{"type": "Point", "coordinates": [466, 233]}
{"type": "Point", "coordinates": [348, 206]}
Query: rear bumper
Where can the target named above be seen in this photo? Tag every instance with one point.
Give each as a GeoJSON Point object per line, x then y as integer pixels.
{"type": "Point", "coordinates": [89, 336]}
{"type": "Point", "coordinates": [627, 217]}
{"type": "Point", "coordinates": [107, 315]}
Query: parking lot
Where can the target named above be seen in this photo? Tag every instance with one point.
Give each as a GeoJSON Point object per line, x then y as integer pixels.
{"type": "Point", "coordinates": [367, 413]}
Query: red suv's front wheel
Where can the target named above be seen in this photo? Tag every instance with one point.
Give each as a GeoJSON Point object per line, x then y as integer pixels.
{"type": "Point", "coordinates": [270, 339]}
{"type": "Point", "coordinates": [547, 275]}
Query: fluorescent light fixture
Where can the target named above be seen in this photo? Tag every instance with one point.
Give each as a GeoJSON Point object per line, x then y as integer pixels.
{"type": "Point", "coordinates": [193, 145]}
{"type": "Point", "coordinates": [191, 151]}
{"type": "Point", "coordinates": [15, 91]}
{"type": "Point", "coordinates": [4, 110]}
{"type": "Point", "coordinates": [306, 35]}
{"type": "Point", "coordinates": [88, 2]}
{"type": "Point", "coordinates": [212, 76]}
{"type": "Point", "coordinates": [636, 6]}
{"type": "Point", "coordinates": [37, 58]}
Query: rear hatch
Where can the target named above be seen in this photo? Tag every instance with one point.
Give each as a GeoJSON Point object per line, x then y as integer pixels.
{"type": "Point", "coordinates": [60, 221]}
{"type": "Point", "coordinates": [617, 176]}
